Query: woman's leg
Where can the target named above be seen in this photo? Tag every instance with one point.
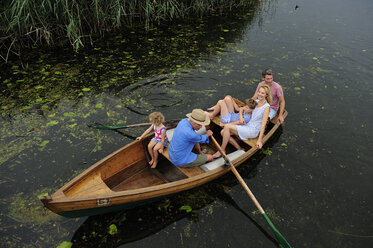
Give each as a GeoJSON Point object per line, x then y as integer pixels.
{"type": "Point", "coordinates": [233, 131]}
{"type": "Point", "coordinates": [224, 108]}
{"type": "Point", "coordinates": [213, 107]}
{"type": "Point", "coordinates": [155, 152]}
{"type": "Point", "coordinates": [216, 110]}
{"type": "Point", "coordinates": [229, 100]}
{"type": "Point", "coordinates": [227, 133]}
{"type": "Point", "coordinates": [231, 105]}
{"type": "Point", "coordinates": [235, 143]}
{"type": "Point", "coordinates": [151, 144]}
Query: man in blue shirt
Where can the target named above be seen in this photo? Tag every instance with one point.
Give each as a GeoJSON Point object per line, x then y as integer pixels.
{"type": "Point", "coordinates": [185, 138]}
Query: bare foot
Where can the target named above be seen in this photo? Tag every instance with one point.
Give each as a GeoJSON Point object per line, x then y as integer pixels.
{"type": "Point", "coordinates": [211, 109]}
{"type": "Point", "coordinates": [216, 155]}
{"type": "Point", "coordinates": [151, 162]}
{"type": "Point", "coordinates": [154, 164]}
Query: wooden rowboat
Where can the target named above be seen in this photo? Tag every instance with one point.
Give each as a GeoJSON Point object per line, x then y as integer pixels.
{"type": "Point", "coordinates": [124, 178]}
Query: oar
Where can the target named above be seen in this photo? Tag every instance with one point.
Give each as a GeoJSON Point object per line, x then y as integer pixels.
{"type": "Point", "coordinates": [129, 126]}
{"type": "Point", "coordinates": [281, 240]}
{"type": "Point", "coordinates": [121, 127]}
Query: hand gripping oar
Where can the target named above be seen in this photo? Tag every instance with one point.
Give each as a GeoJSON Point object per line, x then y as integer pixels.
{"type": "Point", "coordinates": [281, 240]}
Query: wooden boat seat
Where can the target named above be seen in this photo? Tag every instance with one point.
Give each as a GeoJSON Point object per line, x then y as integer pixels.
{"type": "Point", "coordinates": [94, 186]}
{"type": "Point", "coordinates": [191, 171]}
{"type": "Point", "coordinates": [216, 163]}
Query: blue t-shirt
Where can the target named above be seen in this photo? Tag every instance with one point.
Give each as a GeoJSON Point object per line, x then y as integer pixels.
{"type": "Point", "coordinates": [182, 143]}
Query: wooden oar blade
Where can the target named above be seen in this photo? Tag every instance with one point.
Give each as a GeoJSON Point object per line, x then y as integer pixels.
{"type": "Point", "coordinates": [281, 240]}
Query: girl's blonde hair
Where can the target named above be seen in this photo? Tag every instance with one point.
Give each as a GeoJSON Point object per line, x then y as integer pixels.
{"type": "Point", "coordinates": [268, 93]}
{"type": "Point", "coordinates": [156, 118]}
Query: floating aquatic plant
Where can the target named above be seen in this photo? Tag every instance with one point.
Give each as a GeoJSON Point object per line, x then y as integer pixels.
{"type": "Point", "coordinates": [186, 208]}
{"type": "Point", "coordinates": [113, 229]}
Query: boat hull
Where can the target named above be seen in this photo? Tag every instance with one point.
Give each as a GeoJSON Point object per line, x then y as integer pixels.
{"type": "Point", "coordinates": [118, 201]}
{"type": "Point", "coordinates": [112, 208]}
{"type": "Point", "coordinates": [124, 180]}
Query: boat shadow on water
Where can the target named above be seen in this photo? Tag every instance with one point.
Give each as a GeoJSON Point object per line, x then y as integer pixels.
{"type": "Point", "coordinates": [122, 227]}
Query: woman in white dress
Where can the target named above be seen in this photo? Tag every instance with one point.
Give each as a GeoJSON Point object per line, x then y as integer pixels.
{"type": "Point", "coordinates": [254, 127]}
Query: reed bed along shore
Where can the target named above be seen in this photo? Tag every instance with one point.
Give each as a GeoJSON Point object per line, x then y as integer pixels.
{"type": "Point", "coordinates": [25, 23]}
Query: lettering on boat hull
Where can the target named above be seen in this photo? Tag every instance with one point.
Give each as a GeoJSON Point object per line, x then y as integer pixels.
{"type": "Point", "coordinates": [101, 202]}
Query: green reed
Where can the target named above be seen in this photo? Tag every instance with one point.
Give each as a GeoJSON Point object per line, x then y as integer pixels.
{"type": "Point", "coordinates": [37, 22]}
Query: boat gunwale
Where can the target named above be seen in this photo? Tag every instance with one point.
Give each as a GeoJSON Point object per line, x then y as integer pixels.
{"type": "Point", "coordinates": [114, 194]}
{"type": "Point", "coordinates": [60, 197]}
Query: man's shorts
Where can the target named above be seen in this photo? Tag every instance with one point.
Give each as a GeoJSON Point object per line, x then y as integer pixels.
{"type": "Point", "coordinates": [200, 160]}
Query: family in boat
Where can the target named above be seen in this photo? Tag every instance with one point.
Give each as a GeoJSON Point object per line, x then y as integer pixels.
{"type": "Point", "coordinates": [244, 122]}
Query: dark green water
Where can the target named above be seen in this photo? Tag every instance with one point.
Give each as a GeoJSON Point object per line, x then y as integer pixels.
{"type": "Point", "coordinates": [314, 181]}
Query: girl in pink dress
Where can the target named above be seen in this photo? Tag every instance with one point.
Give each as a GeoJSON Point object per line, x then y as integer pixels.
{"type": "Point", "coordinates": [160, 139]}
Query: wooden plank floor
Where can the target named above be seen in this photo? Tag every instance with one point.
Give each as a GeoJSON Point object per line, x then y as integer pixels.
{"type": "Point", "coordinates": [145, 178]}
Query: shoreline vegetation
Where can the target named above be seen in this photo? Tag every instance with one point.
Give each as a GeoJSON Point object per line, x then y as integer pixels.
{"type": "Point", "coordinates": [25, 24]}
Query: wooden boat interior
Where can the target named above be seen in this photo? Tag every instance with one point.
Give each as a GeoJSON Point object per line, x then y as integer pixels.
{"type": "Point", "coordinates": [128, 168]}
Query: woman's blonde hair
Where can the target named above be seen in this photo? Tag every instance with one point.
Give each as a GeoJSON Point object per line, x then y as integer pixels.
{"type": "Point", "coordinates": [156, 118]}
{"type": "Point", "coordinates": [268, 93]}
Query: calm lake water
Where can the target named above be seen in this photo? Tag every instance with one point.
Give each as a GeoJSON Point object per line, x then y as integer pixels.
{"type": "Point", "coordinates": [314, 178]}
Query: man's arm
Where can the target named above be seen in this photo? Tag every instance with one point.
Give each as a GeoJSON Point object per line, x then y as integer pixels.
{"type": "Point", "coordinates": [194, 137]}
{"type": "Point", "coordinates": [282, 108]}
